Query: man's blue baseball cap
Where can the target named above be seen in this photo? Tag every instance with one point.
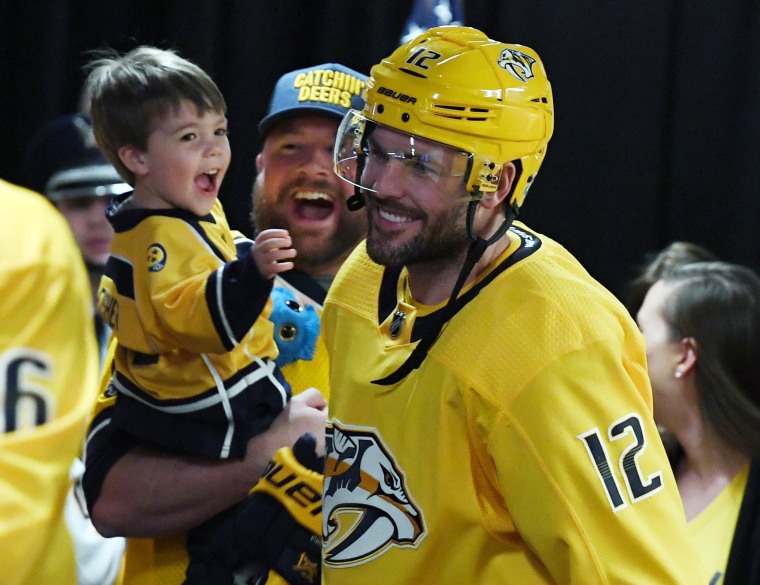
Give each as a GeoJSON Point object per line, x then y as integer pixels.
{"type": "Point", "coordinates": [330, 89]}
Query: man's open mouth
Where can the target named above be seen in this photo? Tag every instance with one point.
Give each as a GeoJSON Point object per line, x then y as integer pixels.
{"type": "Point", "coordinates": [313, 205]}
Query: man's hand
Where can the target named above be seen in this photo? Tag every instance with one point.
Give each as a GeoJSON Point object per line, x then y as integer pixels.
{"type": "Point", "coordinates": [278, 526]}
{"type": "Point", "coordinates": [148, 494]}
{"type": "Point", "coordinates": [305, 413]}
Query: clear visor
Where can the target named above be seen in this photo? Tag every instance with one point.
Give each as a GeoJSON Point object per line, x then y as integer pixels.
{"type": "Point", "coordinates": [367, 153]}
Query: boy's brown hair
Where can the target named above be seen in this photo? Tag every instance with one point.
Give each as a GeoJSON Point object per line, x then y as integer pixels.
{"type": "Point", "coordinates": [129, 92]}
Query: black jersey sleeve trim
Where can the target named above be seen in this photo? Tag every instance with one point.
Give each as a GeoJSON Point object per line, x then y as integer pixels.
{"type": "Point", "coordinates": [243, 246]}
{"type": "Point", "coordinates": [120, 271]}
{"type": "Point", "coordinates": [236, 295]}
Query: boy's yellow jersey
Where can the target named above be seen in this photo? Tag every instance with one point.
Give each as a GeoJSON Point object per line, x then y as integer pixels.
{"type": "Point", "coordinates": [189, 308]}
{"type": "Point", "coordinates": [522, 450]}
{"type": "Point", "coordinates": [48, 380]}
{"type": "Point", "coordinates": [163, 560]}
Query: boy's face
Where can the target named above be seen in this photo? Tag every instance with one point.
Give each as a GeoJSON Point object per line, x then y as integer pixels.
{"type": "Point", "coordinates": [187, 157]}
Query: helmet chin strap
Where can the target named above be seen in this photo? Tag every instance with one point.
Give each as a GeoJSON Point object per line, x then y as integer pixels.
{"type": "Point", "coordinates": [94, 269]}
{"type": "Point", "coordinates": [475, 252]}
{"type": "Point", "coordinates": [478, 245]}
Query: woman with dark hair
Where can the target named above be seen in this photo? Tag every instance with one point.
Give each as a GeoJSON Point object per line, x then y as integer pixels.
{"type": "Point", "coordinates": [658, 265]}
{"type": "Point", "coordinates": [701, 323]}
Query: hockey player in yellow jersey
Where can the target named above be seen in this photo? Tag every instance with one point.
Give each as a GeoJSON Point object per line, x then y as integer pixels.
{"type": "Point", "coordinates": [296, 189]}
{"type": "Point", "coordinates": [49, 369]}
{"type": "Point", "coordinates": [490, 417]}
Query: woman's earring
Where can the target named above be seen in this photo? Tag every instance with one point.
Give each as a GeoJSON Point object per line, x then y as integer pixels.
{"type": "Point", "coordinates": [677, 374]}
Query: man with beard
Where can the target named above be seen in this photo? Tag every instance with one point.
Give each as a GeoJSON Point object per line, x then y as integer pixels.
{"type": "Point", "coordinates": [155, 498]}
{"type": "Point", "coordinates": [297, 189]}
{"type": "Point", "coordinates": [490, 417]}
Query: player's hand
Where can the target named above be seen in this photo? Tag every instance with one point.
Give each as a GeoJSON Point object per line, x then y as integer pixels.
{"type": "Point", "coordinates": [278, 525]}
{"type": "Point", "coordinates": [294, 479]}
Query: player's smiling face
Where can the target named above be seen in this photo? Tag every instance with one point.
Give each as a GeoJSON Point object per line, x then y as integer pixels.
{"type": "Point", "coordinates": [417, 212]}
{"type": "Point", "coordinates": [187, 156]}
{"type": "Point", "coordinates": [297, 189]}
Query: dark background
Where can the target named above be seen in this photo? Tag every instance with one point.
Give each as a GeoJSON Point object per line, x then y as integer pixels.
{"type": "Point", "coordinates": [657, 102]}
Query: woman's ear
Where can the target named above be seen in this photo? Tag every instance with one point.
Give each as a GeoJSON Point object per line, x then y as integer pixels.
{"type": "Point", "coordinates": [134, 159]}
{"type": "Point", "coordinates": [688, 356]}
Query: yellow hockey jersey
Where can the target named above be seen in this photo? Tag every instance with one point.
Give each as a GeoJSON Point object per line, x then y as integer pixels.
{"type": "Point", "coordinates": [163, 560]}
{"type": "Point", "coordinates": [189, 308]}
{"type": "Point", "coordinates": [522, 450]}
{"type": "Point", "coordinates": [48, 380]}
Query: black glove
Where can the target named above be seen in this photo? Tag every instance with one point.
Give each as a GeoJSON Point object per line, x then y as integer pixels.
{"type": "Point", "coordinates": [278, 525]}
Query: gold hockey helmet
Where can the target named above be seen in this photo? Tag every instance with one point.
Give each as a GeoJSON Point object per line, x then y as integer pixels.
{"type": "Point", "coordinates": [455, 86]}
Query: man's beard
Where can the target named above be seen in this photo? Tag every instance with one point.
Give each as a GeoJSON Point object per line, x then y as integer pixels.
{"type": "Point", "coordinates": [442, 238]}
{"type": "Point", "coordinates": [270, 212]}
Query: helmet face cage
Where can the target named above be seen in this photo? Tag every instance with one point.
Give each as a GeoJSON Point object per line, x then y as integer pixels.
{"type": "Point", "coordinates": [364, 150]}
{"type": "Point", "coordinates": [455, 86]}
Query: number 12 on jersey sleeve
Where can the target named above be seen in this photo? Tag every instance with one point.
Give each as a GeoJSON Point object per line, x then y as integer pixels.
{"type": "Point", "coordinates": [638, 486]}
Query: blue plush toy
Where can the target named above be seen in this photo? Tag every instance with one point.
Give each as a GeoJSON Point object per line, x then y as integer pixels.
{"type": "Point", "coordinates": [296, 327]}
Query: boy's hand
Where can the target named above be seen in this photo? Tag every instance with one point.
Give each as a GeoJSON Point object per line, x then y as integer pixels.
{"type": "Point", "coordinates": [269, 251]}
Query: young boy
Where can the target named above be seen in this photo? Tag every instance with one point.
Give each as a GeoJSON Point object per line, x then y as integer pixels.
{"type": "Point", "coordinates": [188, 301]}
{"type": "Point", "coordinates": [187, 298]}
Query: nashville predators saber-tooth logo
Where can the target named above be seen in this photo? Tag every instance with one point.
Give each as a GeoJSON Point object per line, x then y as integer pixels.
{"type": "Point", "coordinates": [367, 507]}
{"type": "Point", "coordinates": [517, 63]}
